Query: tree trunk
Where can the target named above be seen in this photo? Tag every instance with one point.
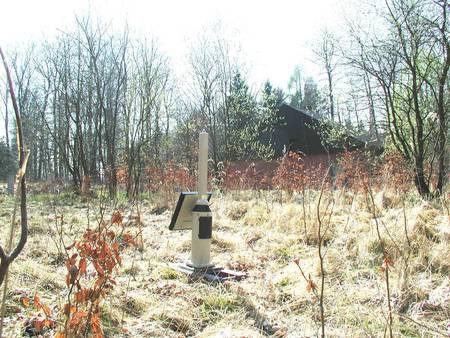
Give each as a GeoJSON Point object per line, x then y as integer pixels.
{"type": "Point", "coordinates": [419, 177]}
{"type": "Point", "coordinates": [330, 90]}
{"type": "Point", "coordinates": [442, 139]}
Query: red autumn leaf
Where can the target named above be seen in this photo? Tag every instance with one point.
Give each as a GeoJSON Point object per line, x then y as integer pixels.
{"type": "Point", "coordinates": [70, 246]}
{"type": "Point", "coordinates": [67, 309]}
{"type": "Point", "coordinates": [80, 296]}
{"type": "Point", "coordinates": [80, 314]}
{"type": "Point", "coordinates": [46, 310]}
{"type": "Point", "coordinates": [37, 301]}
{"type": "Point", "coordinates": [76, 319]}
{"type": "Point", "coordinates": [82, 266]}
{"type": "Point", "coordinates": [95, 325]}
{"type": "Point", "coordinates": [387, 262]}
{"type": "Point", "coordinates": [128, 239]}
{"type": "Point", "coordinates": [117, 218]}
{"type": "Point", "coordinates": [110, 264]}
{"type": "Point", "coordinates": [87, 249]}
{"type": "Point", "coordinates": [49, 323]}
{"type": "Point", "coordinates": [111, 234]}
{"type": "Point", "coordinates": [39, 325]}
{"type": "Point", "coordinates": [99, 269]}
{"type": "Point", "coordinates": [71, 261]}
{"type": "Point", "coordinates": [99, 282]}
{"type": "Point", "coordinates": [25, 301]}
{"type": "Point", "coordinates": [311, 286]}
{"type": "Point", "coordinates": [104, 252]}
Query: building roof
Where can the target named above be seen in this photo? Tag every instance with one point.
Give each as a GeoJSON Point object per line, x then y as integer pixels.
{"type": "Point", "coordinates": [301, 131]}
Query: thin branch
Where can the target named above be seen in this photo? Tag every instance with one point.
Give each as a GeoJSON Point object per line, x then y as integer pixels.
{"type": "Point", "coordinates": [422, 325]}
{"type": "Point", "coordinates": [23, 157]}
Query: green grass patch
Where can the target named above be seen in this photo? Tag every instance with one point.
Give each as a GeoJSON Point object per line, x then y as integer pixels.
{"type": "Point", "coordinates": [216, 306]}
{"type": "Point", "coordinates": [284, 282]}
{"type": "Point", "coordinates": [168, 274]}
{"type": "Point", "coordinates": [283, 254]}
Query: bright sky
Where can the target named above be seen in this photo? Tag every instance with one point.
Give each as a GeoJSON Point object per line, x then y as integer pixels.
{"type": "Point", "coordinates": [273, 35]}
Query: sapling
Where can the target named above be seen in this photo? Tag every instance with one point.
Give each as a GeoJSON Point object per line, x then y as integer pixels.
{"type": "Point", "coordinates": [9, 255]}
{"type": "Point", "coordinates": [91, 267]}
{"type": "Point", "coordinates": [387, 261]}
{"type": "Point", "coordinates": [323, 226]}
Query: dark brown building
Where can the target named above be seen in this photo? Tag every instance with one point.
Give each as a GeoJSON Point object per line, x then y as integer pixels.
{"type": "Point", "coordinates": [297, 130]}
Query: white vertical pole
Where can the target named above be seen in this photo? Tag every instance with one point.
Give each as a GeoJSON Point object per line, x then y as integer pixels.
{"type": "Point", "coordinates": [201, 214]}
{"type": "Point", "coordinates": [203, 164]}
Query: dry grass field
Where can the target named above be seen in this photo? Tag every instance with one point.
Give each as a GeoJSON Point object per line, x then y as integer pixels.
{"type": "Point", "coordinates": [255, 233]}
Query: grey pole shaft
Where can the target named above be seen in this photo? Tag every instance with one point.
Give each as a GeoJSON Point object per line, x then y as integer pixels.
{"type": "Point", "coordinates": [201, 214]}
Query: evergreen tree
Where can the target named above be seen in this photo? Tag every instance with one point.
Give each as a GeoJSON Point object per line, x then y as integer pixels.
{"type": "Point", "coordinates": [271, 100]}
{"type": "Point", "coordinates": [312, 100]}
{"type": "Point", "coordinates": [242, 120]}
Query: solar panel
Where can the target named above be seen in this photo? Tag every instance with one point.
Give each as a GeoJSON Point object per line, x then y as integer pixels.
{"type": "Point", "coordinates": [182, 216]}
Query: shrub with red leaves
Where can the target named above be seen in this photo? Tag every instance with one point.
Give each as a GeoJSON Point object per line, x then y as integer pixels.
{"type": "Point", "coordinates": [170, 178]}
{"type": "Point", "coordinates": [91, 268]}
{"type": "Point", "coordinates": [290, 175]}
{"type": "Point", "coordinates": [396, 173]}
{"type": "Point", "coordinates": [353, 171]}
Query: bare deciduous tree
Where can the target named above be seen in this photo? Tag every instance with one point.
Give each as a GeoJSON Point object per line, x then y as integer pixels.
{"type": "Point", "coordinates": [410, 64]}
{"type": "Point", "coordinates": [326, 51]}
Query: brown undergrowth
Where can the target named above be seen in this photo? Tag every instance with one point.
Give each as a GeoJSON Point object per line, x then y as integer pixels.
{"type": "Point", "coordinates": [255, 233]}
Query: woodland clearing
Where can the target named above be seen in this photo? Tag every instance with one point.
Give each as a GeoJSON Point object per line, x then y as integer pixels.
{"type": "Point", "coordinates": [254, 233]}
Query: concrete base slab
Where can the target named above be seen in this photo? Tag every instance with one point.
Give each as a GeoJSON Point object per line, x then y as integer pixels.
{"type": "Point", "coordinates": [211, 274]}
